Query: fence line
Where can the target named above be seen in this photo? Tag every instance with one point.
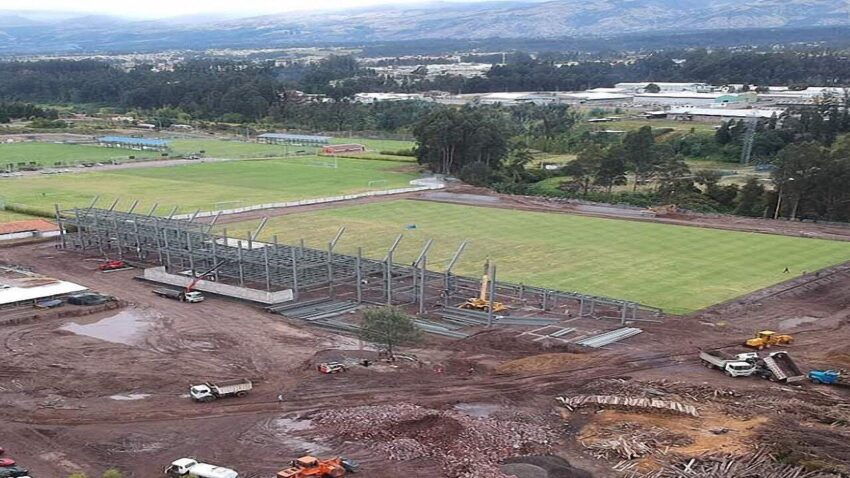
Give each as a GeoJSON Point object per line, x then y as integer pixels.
{"type": "Point", "coordinates": [307, 202]}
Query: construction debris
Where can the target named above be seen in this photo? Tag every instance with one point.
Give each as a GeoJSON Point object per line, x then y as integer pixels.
{"type": "Point", "coordinates": [760, 465]}
{"type": "Point", "coordinates": [465, 447]}
{"type": "Point", "coordinates": [608, 338]}
{"type": "Point", "coordinates": [613, 401]}
{"type": "Point", "coordinates": [628, 441]}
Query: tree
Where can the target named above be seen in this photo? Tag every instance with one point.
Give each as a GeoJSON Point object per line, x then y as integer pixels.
{"type": "Point", "coordinates": [638, 145]}
{"type": "Point", "coordinates": [388, 327]}
{"type": "Point", "coordinates": [583, 169]}
{"type": "Point", "coordinates": [751, 199]}
{"type": "Point", "coordinates": [612, 169]}
{"type": "Point", "coordinates": [652, 88]}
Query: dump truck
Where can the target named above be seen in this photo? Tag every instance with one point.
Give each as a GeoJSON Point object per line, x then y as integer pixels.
{"type": "Point", "coordinates": [828, 377]}
{"type": "Point", "coordinates": [209, 391]}
{"type": "Point", "coordinates": [742, 365]}
{"type": "Point", "coordinates": [192, 468]}
{"type": "Point", "coordinates": [312, 467]}
{"type": "Point", "coordinates": [182, 296]}
{"type": "Point", "coordinates": [767, 338]}
{"type": "Point", "coordinates": [331, 367]}
{"type": "Point", "coordinates": [781, 368]}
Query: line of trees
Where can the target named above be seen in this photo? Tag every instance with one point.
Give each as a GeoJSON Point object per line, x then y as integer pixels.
{"type": "Point", "coordinates": [13, 111]}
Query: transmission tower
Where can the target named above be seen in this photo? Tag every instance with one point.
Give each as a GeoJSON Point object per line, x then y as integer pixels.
{"type": "Point", "coordinates": [749, 137]}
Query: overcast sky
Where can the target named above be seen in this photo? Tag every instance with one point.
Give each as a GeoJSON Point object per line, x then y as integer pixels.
{"type": "Point", "coordinates": [172, 8]}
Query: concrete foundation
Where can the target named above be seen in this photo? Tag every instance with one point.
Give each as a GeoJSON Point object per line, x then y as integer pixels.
{"type": "Point", "coordinates": [158, 274]}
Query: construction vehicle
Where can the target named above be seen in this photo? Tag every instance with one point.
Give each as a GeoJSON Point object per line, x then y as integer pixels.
{"type": "Point", "coordinates": [181, 295]}
{"type": "Point", "coordinates": [331, 367]}
{"type": "Point", "coordinates": [194, 469]}
{"type": "Point", "coordinates": [767, 338]}
{"type": "Point", "coordinates": [312, 467]}
{"type": "Point", "coordinates": [112, 265]}
{"type": "Point", "coordinates": [482, 302]}
{"type": "Point", "coordinates": [781, 368]}
{"type": "Point", "coordinates": [742, 365]}
{"type": "Point", "coordinates": [828, 377]}
{"type": "Point", "coordinates": [209, 391]}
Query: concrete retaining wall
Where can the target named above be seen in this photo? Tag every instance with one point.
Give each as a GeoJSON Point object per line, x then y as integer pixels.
{"type": "Point", "coordinates": [306, 202]}
{"type": "Point", "coordinates": [158, 274]}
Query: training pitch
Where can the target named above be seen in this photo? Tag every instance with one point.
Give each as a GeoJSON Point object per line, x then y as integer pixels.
{"type": "Point", "coordinates": [678, 268]}
{"type": "Point", "coordinates": [212, 185]}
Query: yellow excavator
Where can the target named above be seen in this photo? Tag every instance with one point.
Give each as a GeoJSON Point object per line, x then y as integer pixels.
{"type": "Point", "coordinates": [481, 302]}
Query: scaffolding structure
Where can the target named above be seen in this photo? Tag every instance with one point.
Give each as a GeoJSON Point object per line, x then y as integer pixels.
{"type": "Point", "coordinates": [189, 247]}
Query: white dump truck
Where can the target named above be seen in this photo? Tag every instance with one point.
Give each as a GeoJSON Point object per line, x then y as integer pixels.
{"type": "Point", "coordinates": [209, 391]}
{"type": "Point", "coordinates": [781, 368]}
{"type": "Point", "coordinates": [192, 468]}
{"type": "Point", "coordinates": [741, 365]}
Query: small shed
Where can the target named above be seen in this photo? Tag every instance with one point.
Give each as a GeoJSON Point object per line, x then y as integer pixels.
{"type": "Point", "coordinates": [344, 148]}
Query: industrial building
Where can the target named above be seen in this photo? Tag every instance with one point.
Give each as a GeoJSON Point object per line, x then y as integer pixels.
{"type": "Point", "coordinates": [293, 139]}
{"type": "Point", "coordinates": [127, 142]}
{"type": "Point", "coordinates": [518, 98]}
{"type": "Point", "coordinates": [664, 87]}
{"type": "Point", "coordinates": [715, 114]}
{"type": "Point", "coordinates": [21, 287]}
{"type": "Point", "coordinates": [369, 98]}
{"type": "Point", "coordinates": [595, 97]}
{"type": "Point", "coordinates": [687, 98]}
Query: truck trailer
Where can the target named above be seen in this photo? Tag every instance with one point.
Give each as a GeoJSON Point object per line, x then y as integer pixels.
{"type": "Point", "coordinates": [209, 391]}
{"type": "Point", "coordinates": [182, 296]}
{"type": "Point", "coordinates": [781, 368]}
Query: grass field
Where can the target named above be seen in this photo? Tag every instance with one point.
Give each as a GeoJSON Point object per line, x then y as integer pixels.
{"type": "Point", "coordinates": [210, 185]}
{"type": "Point", "coordinates": [678, 268]}
{"type": "Point", "coordinates": [48, 154]}
{"type": "Point", "coordinates": [8, 216]}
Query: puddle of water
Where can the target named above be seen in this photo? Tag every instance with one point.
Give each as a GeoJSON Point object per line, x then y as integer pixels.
{"type": "Point", "coordinates": [292, 424]}
{"type": "Point", "coordinates": [284, 428]}
{"type": "Point", "coordinates": [477, 410]}
{"type": "Point", "coordinates": [127, 327]}
{"type": "Point", "coordinates": [795, 322]}
{"type": "Point", "coordinates": [130, 396]}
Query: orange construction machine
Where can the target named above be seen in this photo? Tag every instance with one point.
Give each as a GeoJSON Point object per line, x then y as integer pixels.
{"type": "Point", "coordinates": [312, 467]}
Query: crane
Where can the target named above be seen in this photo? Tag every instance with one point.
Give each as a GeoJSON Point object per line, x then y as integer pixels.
{"type": "Point", "coordinates": [482, 302]}
{"type": "Point", "coordinates": [199, 277]}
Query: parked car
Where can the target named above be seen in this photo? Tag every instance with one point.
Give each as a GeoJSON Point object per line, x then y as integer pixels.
{"type": "Point", "coordinates": [49, 303]}
{"type": "Point", "coordinates": [6, 462]}
{"type": "Point", "coordinates": [87, 299]}
{"type": "Point", "coordinates": [13, 472]}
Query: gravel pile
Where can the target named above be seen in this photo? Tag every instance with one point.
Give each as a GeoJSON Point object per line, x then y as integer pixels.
{"type": "Point", "coordinates": [465, 447]}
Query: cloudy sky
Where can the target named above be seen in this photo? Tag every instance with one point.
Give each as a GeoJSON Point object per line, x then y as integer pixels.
{"type": "Point", "coordinates": [172, 8]}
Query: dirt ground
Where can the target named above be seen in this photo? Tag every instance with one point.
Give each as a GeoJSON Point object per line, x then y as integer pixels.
{"type": "Point", "coordinates": [109, 389]}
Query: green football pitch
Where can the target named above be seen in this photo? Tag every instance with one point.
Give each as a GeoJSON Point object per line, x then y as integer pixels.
{"type": "Point", "coordinates": [211, 185]}
{"type": "Point", "coordinates": [678, 268]}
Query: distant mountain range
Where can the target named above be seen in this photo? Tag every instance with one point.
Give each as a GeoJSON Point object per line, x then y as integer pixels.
{"type": "Point", "coordinates": [24, 33]}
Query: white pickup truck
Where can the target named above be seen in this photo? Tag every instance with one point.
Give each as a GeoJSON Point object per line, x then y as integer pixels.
{"type": "Point", "coordinates": [209, 391]}
{"type": "Point", "coordinates": [194, 469]}
{"type": "Point", "coordinates": [742, 365]}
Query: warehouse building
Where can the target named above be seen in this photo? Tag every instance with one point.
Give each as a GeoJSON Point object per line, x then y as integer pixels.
{"type": "Point", "coordinates": [127, 142]}
{"type": "Point", "coordinates": [686, 98]}
{"type": "Point", "coordinates": [665, 87]}
{"type": "Point", "coordinates": [720, 114]}
{"type": "Point", "coordinates": [518, 98]}
{"type": "Point", "coordinates": [293, 139]}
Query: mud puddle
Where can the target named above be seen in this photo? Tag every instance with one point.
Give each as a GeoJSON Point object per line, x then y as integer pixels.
{"type": "Point", "coordinates": [796, 322]}
{"type": "Point", "coordinates": [127, 327]}
{"type": "Point", "coordinates": [477, 410]}
{"type": "Point", "coordinates": [130, 396]}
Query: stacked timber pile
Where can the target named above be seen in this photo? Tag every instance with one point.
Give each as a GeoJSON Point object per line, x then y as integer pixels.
{"type": "Point", "coordinates": [628, 403]}
{"type": "Point", "coordinates": [761, 464]}
{"type": "Point", "coordinates": [465, 447]}
{"type": "Point", "coordinates": [628, 441]}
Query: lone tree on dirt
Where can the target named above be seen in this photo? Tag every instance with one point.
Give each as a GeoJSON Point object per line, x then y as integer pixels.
{"type": "Point", "coordinates": [389, 327]}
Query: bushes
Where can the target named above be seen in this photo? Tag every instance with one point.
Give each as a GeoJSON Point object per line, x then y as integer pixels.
{"type": "Point", "coordinates": [29, 210]}
{"type": "Point", "coordinates": [401, 152]}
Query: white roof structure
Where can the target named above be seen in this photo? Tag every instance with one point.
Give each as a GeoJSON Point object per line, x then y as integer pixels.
{"type": "Point", "coordinates": [595, 95]}
{"type": "Point", "coordinates": [12, 294]}
{"type": "Point", "coordinates": [726, 112]}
